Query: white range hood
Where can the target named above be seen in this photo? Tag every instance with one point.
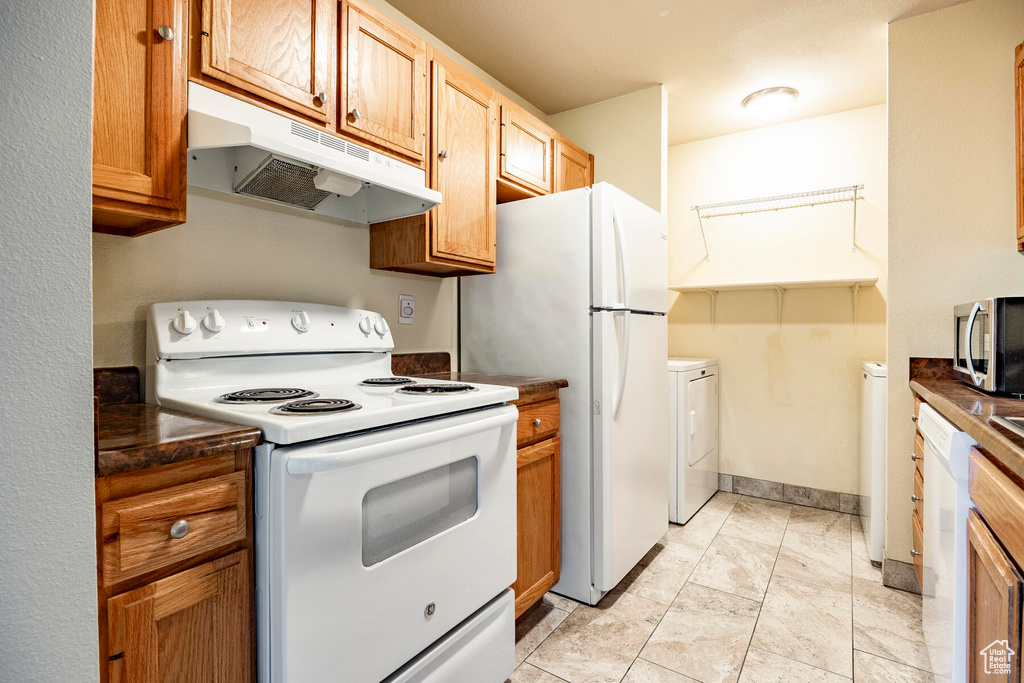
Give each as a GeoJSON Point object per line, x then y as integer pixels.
{"type": "Point", "coordinates": [238, 148]}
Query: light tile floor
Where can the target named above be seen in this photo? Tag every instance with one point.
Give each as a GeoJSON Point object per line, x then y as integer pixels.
{"type": "Point", "coordinates": [749, 590]}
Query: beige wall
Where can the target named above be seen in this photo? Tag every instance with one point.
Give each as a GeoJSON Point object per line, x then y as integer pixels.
{"type": "Point", "coordinates": [951, 184]}
{"type": "Point", "coordinates": [233, 247]}
{"type": "Point", "coordinates": [628, 137]}
{"type": "Point", "coordinates": [790, 396]}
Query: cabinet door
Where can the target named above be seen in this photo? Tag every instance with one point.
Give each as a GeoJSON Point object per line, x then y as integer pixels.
{"type": "Point", "coordinates": [194, 626]}
{"type": "Point", "coordinates": [281, 51]}
{"type": "Point", "coordinates": [539, 510]}
{"type": "Point", "coordinates": [993, 606]}
{"type": "Point", "coordinates": [138, 147]}
{"type": "Point", "coordinates": [1019, 89]}
{"type": "Point", "coordinates": [383, 81]}
{"type": "Point", "coordinates": [462, 146]}
{"type": "Point", "coordinates": [526, 146]}
{"type": "Point", "coordinates": [572, 167]}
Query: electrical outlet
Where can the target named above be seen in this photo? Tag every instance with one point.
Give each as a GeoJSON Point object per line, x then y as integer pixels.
{"type": "Point", "coordinates": [406, 309]}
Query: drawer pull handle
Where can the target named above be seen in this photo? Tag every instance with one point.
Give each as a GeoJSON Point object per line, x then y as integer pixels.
{"type": "Point", "coordinates": [915, 456]}
{"type": "Point", "coordinates": [914, 553]}
{"type": "Point", "coordinates": [180, 529]}
{"type": "Point", "coordinates": [165, 32]}
{"type": "Point", "coordinates": [914, 498]}
{"type": "Point", "coordinates": [536, 422]}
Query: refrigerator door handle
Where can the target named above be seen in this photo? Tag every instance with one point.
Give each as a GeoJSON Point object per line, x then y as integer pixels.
{"type": "Point", "coordinates": [623, 363]}
{"type": "Point", "coordinates": [623, 261]}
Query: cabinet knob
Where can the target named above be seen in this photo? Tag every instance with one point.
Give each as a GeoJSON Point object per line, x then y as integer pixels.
{"type": "Point", "coordinates": [914, 553]}
{"type": "Point", "coordinates": [180, 529]}
{"type": "Point", "coordinates": [355, 114]}
{"type": "Point", "coordinates": [914, 498]}
{"type": "Point", "coordinates": [913, 418]}
{"type": "Point", "coordinates": [536, 422]}
{"type": "Point", "coordinates": [915, 457]}
{"type": "Point", "coordinates": [323, 97]}
{"type": "Point", "coordinates": [165, 32]}
{"type": "Point", "coordinates": [443, 154]}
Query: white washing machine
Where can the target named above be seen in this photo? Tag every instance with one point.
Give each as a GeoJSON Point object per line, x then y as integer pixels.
{"type": "Point", "coordinates": [692, 435]}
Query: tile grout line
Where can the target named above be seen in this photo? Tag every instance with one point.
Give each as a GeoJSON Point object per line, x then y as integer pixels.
{"type": "Point", "coordinates": [648, 638]}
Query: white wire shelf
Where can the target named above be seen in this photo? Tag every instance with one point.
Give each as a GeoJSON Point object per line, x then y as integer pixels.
{"type": "Point", "coordinates": [832, 195]}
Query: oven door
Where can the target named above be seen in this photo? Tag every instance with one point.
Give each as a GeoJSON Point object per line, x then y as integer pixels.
{"type": "Point", "coordinates": [380, 544]}
{"type": "Point", "coordinates": [973, 353]}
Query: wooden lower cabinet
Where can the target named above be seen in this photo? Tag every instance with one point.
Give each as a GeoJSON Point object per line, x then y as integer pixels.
{"type": "Point", "coordinates": [539, 502]}
{"type": "Point", "coordinates": [994, 606]}
{"type": "Point", "coordinates": [538, 473]}
{"type": "Point", "coordinates": [175, 574]}
{"type": "Point", "coordinates": [193, 626]}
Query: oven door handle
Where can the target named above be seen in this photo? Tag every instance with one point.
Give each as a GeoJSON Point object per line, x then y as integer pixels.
{"type": "Point", "coordinates": [970, 342]}
{"type": "Point", "coordinates": [347, 457]}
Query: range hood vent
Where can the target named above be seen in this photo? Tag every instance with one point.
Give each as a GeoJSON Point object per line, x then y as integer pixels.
{"type": "Point", "coordinates": [235, 147]}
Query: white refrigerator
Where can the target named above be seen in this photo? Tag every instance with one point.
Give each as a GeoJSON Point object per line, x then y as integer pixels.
{"type": "Point", "coordinates": [580, 292]}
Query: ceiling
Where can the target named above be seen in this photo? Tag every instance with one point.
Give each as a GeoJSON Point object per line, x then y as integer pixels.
{"type": "Point", "coordinates": [569, 53]}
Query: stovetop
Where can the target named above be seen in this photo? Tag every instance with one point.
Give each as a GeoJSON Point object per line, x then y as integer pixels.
{"type": "Point", "coordinates": [299, 372]}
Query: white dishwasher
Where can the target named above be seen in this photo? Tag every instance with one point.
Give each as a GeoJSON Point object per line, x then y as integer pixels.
{"type": "Point", "coordinates": [693, 435]}
{"type": "Point", "coordinates": [946, 504]}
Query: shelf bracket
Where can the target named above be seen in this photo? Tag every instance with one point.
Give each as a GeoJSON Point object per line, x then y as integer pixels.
{"type": "Point", "coordinates": [707, 253]}
{"type": "Point", "coordinates": [779, 291]}
{"type": "Point", "coordinates": [714, 306]}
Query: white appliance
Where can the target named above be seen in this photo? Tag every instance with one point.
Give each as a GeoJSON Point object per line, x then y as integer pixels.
{"type": "Point", "coordinates": [946, 505]}
{"type": "Point", "coordinates": [692, 435]}
{"type": "Point", "coordinates": [580, 292]}
{"type": "Point", "coordinates": [236, 147]}
{"type": "Point", "coordinates": [385, 507]}
{"type": "Point", "coordinates": [872, 456]}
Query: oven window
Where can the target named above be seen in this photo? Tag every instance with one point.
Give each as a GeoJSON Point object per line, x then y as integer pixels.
{"type": "Point", "coordinates": [402, 513]}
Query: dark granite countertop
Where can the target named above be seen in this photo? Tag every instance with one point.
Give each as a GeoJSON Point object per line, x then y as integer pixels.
{"type": "Point", "coordinates": [971, 411]}
{"type": "Point", "coordinates": [134, 436]}
{"type": "Point", "coordinates": [527, 386]}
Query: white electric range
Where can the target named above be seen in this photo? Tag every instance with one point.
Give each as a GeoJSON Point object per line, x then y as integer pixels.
{"type": "Point", "coordinates": [385, 507]}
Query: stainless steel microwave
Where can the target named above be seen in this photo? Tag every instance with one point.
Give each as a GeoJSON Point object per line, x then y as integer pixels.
{"type": "Point", "coordinates": [989, 346]}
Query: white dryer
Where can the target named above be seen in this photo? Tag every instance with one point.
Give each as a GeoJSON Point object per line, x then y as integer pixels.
{"type": "Point", "coordinates": [693, 435]}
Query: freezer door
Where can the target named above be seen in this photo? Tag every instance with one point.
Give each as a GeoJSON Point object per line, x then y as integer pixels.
{"type": "Point", "coordinates": [630, 441]}
{"type": "Point", "coordinates": [630, 252]}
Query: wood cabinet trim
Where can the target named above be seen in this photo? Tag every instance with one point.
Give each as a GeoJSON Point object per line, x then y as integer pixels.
{"type": "Point", "coordinates": [1019, 136]}
{"type": "Point", "coordinates": [359, 17]}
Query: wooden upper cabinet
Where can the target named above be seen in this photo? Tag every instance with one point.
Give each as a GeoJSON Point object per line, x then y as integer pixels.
{"type": "Point", "coordinates": [573, 167]}
{"type": "Point", "coordinates": [139, 106]}
{"type": "Point", "coordinates": [463, 165]}
{"type": "Point", "coordinates": [993, 601]}
{"type": "Point", "coordinates": [1019, 89]}
{"type": "Point", "coordinates": [526, 150]}
{"type": "Point", "coordinates": [282, 51]}
{"type": "Point", "coordinates": [192, 627]}
{"type": "Point", "coordinates": [383, 81]}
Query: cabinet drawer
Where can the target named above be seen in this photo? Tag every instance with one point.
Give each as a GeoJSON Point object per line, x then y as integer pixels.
{"type": "Point", "coordinates": [919, 493]}
{"type": "Point", "coordinates": [137, 530]}
{"type": "Point", "coordinates": [919, 454]}
{"type": "Point", "coordinates": [537, 421]}
{"type": "Point", "coordinates": [918, 553]}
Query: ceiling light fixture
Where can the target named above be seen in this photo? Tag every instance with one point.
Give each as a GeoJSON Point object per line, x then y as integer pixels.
{"type": "Point", "coordinates": [770, 102]}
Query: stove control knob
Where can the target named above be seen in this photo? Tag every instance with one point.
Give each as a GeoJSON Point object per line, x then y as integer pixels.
{"type": "Point", "coordinates": [214, 321]}
{"type": "Point", "coordinates": [364, 325]}
{"type": "Point", "coordinates": [300, 321]}
{"type": "Point", "coordinates": [184, 323]}
{"type": "Point", "coordinates": [380, 327]}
